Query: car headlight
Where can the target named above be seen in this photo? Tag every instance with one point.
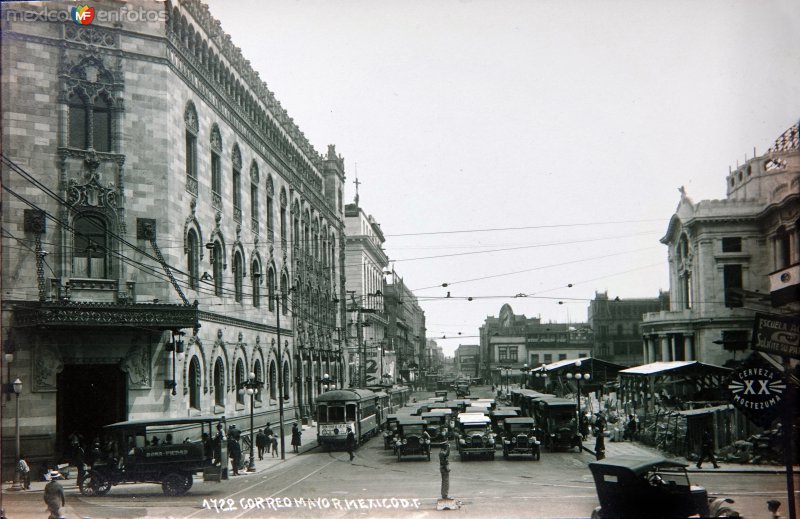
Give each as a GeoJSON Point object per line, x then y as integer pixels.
{"type": "Point", "coordinates": [491, 441]}
{"type": "Point", "coordinates": [461, 441]}
{"type": "Point", "coordinates": [405, 441]}
{"type": "Point", "coordinates": [514, 440]}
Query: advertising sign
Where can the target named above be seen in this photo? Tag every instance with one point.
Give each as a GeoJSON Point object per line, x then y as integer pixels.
{"type": "Point", "coordinates": [758, 390]}
{"type": "Point", "coordinates": [779, 335]}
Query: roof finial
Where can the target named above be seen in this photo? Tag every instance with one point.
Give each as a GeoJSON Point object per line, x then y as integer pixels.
{"type": "Point", "coordinates": [357, 183]}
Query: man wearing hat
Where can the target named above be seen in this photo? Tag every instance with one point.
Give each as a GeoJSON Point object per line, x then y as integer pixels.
{"type": "Point", "coordinates": [350, 442]}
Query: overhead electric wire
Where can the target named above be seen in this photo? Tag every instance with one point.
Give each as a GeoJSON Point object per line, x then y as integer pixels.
{"type": "Point", "coordinates": [551, 226]}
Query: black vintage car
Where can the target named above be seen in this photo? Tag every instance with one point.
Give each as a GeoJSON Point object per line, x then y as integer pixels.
{"type": "Point", "coordinates": [195, 447]}
{"type": "Point", "coordinates": [520, 436]}
{"type": "Point", "coordinates": [475, 436]}
{"type": "Point", "coordinates": [559, 419]}
{"type": "Point", "coordinates": [651, 486]}
{"type": "Point", "coordinates": [411, 438]}
{"type": "Point", "coordinates": [391, 430]}
{"type": "Point", "coordinates": [439, 426]}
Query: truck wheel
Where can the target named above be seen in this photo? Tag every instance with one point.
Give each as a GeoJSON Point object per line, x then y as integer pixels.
{"type": "Point", "coordinates": [94, 484]}
{"type": "Point", "coordinates": [174, 484]}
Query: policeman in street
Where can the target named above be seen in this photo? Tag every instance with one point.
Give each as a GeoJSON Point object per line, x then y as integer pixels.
{"type": "Point", "coordinates": [444, 468]}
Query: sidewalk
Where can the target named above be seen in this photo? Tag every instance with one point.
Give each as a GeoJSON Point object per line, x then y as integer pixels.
{"type": "Point", "coordinates": [631, 448]}
{"type": "Point", "coordinates": [308, 442]}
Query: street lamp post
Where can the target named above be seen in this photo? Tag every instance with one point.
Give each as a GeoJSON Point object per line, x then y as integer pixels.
{"type": "Point", "coordinates": [251, 387]}
{"type": "Point", "coordinates": [327, 382]}
{"type": "Point", "coordinates": [525, 370]}
{"type": "Point", "coordinates": [578, 376]}
{"type": "Point", "coordinates": [16, 386]}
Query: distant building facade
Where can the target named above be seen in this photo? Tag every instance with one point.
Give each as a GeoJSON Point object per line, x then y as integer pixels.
{"type": "Point", "coordinates": [616, 326]}
{"type": "Point", "coordinates": [371, 358]}
{"type": "Point", "coordinates": [405, 328]}
{"type": "Point", "coordinates": [468, 357]}
{"type": "Point", "coordinates": [509, 342]}
{"type": "Point", "coordinates": [722, 254]}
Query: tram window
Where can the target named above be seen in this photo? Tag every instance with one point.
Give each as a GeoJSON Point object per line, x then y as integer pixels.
{"type": "Point", "coordinates": [336, 414]}
{"type": "Point", "coordinates": [351, 412]}
{"type": "Point", "coordinates": [322, 413]}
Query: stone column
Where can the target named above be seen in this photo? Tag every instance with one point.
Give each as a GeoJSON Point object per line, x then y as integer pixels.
{"type": "Point", "coordinates": [664, 348]}
{"type": "Point", "coordinates": [688, 346]}
{"type": "Point", "coordinates": [651, 349]}
{"type": "Point", "coordinates": [672, 339]}
{"type": "Point", "coordinates": [646, 349]}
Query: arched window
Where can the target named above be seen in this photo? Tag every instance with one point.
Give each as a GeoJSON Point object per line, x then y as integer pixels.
{"type": "Point", "coordinates": [238, 272]}
{"type": "Point", "coordinates": [259, 371]}
{"type": "Point", "coordinates": [90, 253]}
{"type": "Point", "coordinates": [192, 127]}
{"type": "Point", "coordinates": [285, 392]}
{"type": "Point", "coordinates": [283, 218]}
{"type": "Point", "coordinates": [193, 260]}
{"type": "Point", "coordinates": [273, 381]}
{"type": "Point", "coordinates": [217, 268]}
{"type": "Point", "coordinates": [236, 162]}
{"type": "Point", "coordinates": [255, 272]}
{"type": "Point", "coordinates": [219, 382]}
{"type": "Point", "coordinates": [271, 288]}
{"type": "Point", "coordinates": [216, 167]}
{"type": "Point", "coordinates": [194, 383]}
{"type": "Point", "coordinates": [240, 380]}
{"type": "Point", "coordinates": [270, 208]}
{"type": "Point", "coordinates": [101, 124]}
{"type": "Point", "coordinates": [78, 122]}
{"type": "Point", "coordinates": [254, 196]}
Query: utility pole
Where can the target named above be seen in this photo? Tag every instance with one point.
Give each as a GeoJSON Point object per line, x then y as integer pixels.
{"type": "Point", "coordinates": [278, 298]}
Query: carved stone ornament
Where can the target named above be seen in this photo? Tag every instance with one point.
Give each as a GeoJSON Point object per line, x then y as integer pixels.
{"type": "Point", "coordinates": [137, 365]}
{"type": "Point", "coordinates": [47, 364]}
{"type": "Point", "coordinates": [190, 118]}
{"type": "Point", "coordinates": [93, 194]}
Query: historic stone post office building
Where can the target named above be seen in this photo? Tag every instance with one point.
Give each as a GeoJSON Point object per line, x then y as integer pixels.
{"type": "Point", "coordinates": [167, 228]}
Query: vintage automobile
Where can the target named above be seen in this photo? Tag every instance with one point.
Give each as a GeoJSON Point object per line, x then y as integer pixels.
{"type": "Point", "coordinates": [474, 435]}
{"type": "Point", "coordinates": [441, 393]}
{"type": "Point", "coordinates": [439, 427]}
{"type": "Point", "coordinates": [651, 486]}
{"type": "Point", "coordinates": [499, 415]}
{"type": "Point", "coordinates": [173, 465]}
{"type": "Point", "coordinates": [391, 429]}
{"type": "Point", "coordinates": [411, 438]}
{"type": "Point", "coordinates": [520, 436]}
{"type": "Point", "coordinates": [462, 390]}
{"type": "Point", "coordinates": [559, 419]}
{"type": "Point", "coordinates": [477, 409]}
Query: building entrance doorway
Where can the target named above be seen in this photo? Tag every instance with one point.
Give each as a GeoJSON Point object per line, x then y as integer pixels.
{"type": "Point", "coordinates": [89, 397]}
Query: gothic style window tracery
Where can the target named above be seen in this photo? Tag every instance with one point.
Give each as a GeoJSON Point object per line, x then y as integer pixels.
{"type": "Point", "coordinates": [236, 178]}
{"type": "Point", "coordinates": [254, 209]}
{"type": "Point", "coordinates": [270, 208]}
{"type": "Point", "coordinates": [255, 272]}
{"type": "Point", "coordinates": [192, 128]}
{"type": "Point", "coordinates": [238, 272]}
{"type": "Point", "coordinates": [194, 383]}
{"type": "Point", "coordinates": [216, 168]}
{"type": "Point", "coordinates": [271, 288]}
{"type": "Point", "coordinates": [193, 259]}
{"type": "Point", "coordinates": [240, 379]}
{"type": "Point", "coordinates": [218, 266]}
{"type": "Point", "coordinates": [219, 382]}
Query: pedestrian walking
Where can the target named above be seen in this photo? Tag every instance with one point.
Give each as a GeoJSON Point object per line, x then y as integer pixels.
{"type": "Point", "coordinates": [444, 469]}
{"type": "Point", "coordinates": [350, 442]}
{"type": "Point", "coordinates": [235, 453]}
{"type": "Point", "coordinates": [24, 471]}
{"type": "Point", "coordinates": [632, 427]}
{"type": "Point", "coordinates": [54, 498]}
{"type": "Point", "coordinates": [296, 434]}
{"type": "Point", "coordinates": [270, 435]}
{"type": "Point", "coordinates": [599, 440]}
{"type": "Point", "coordinates": [274, 443]}
{"type": "Point", "coordinates": [218, 442]}
{"type": "Point", "coordinates": [261, 443]}
{"type": "Point", "coordinates": [707, 450]}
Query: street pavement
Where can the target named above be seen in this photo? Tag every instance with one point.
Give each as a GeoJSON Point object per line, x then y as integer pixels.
{"type": "Point", "coordinates": [485, 486]}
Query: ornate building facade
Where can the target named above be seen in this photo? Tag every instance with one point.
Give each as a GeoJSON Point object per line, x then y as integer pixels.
{"type": "Point", "coordinates": [721, 254]}
{"type": "Point", "coordinates": [616, 326]}
{"type": "Point", "coordinates": [509, 342]}
{"type": "Point", "coordinates": [167, 228]}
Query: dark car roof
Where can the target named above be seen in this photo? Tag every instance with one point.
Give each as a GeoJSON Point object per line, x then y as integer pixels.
{"type": "Point", "coordinates": [345, 394]}
{"type": "Point", "coordinates": [638, 465]}
{"type": "Point", "coordinates": [504, 412]}
{"type": "Point", "coordinates": [411, 420]}
{"type": "Point", "coordinates": [521, 419]}
{"type": "Point", "coordinates": [559, 402]}
{"type": "Point", "coordinates": [158, 422]}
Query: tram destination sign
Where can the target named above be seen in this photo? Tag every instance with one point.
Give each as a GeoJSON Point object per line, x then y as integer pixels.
{"type": "Point", "coordinates": [779, 335]}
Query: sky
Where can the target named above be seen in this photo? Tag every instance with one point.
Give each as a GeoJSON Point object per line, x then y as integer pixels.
{"type": "Point", "coordinates": [527, 152]}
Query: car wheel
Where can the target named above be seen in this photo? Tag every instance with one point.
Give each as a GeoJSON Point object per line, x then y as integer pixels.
{"type": "Point", "coordinates": [398, 455]}
{"type": "Point", "coordinates": [491, 456]}
{"type": "Point", "coordinates": [174, 484]}
{"type": "Point", "coordinates": [94, 484]}
{"type": "Point", "coordinates": [505, 454]}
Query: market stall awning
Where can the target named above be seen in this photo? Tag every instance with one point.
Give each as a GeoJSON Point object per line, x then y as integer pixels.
{"type": "Point", "coordinates": [588, 363]}
{"type": "Point", "coordinates": [675, 368]}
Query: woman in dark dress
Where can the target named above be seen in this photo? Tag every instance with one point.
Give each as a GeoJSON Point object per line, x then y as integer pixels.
{"type": "Point", "coordinates": [296, 432]}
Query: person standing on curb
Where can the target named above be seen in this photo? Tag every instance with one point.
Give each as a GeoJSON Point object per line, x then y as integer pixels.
{"type": "Point", "coordinates": [261, 443]}
{"type": "Point", "coordinates": [296, 433]}
{"type": "Point", "coordinates": [24, 473]}
{"type": "Point", "coordinates": [350, 442]}
{"type": "Point", "coordinates": [54, 498]}
{"type": "Point", "coordinates": [600, 441]}
{"type": "Point", "coordinates": [444, 468]}
{"type": "Point", "coordinates": [707, 450]}
{"type": "Point", "coordinates": [235, 453]}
